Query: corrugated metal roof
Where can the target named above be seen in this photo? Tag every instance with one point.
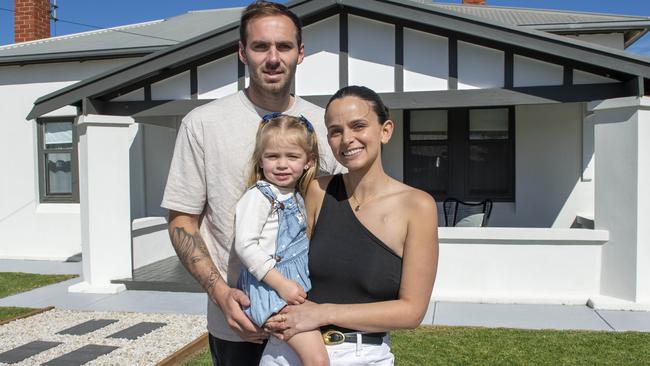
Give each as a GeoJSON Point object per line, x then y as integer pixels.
{"type": "Point", "coordinates": [533, 17]}
{"type": "Point", "coordinates": [140, 37]}
{"type": "Point", "coordinates": [144, 38]}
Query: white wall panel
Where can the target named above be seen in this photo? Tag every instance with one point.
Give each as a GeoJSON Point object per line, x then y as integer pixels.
{"type": "Point", "coordinates": [426, 61]}
{"type": "Point", "coordinates": [218, 78]}
{"type": "Point", "coordinates": [532, 72]}
{"type": "Point", "coordinates": [136, 95]}
{"type": "Point", "coordinates": [583, 77]}
{"type": "Point", "coordinates": [479, 67]}
{"type": "Point", "coordinates": [318, 74]}
{"type": "Point", "coordinates": [173, 88]}
{"type": "Point", "coordinates": [392, 154]}
{"type": "Point", "coordinates": [371, 54]}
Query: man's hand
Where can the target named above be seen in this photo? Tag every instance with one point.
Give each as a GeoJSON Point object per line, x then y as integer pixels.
{"type": "Point", "coordinates": [231, 301]}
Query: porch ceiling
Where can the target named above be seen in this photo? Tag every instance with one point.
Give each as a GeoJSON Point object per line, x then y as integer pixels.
{"type": "Point", "coordinates": [181, 57]}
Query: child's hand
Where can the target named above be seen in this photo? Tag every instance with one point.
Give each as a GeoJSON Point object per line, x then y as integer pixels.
{"type": "Point", "coordinates": [292, 292]}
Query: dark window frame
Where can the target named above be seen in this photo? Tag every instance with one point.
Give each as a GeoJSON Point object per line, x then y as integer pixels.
{"type": "Point", "coordinates": [458, 149]}
{"type": "Point", "coordinates": [46, 197]}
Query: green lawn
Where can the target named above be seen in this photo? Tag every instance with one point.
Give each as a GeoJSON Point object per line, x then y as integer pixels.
{"type": "Point", "coordinates": [15, 282]}
{"type": "Point", "coordinates": [488, 346]}
{"type": "Point", "coordinates": [12, 312]}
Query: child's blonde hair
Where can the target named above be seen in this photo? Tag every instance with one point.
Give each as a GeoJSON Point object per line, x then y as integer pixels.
{"type": "Point", "coordinates": [296, 130]}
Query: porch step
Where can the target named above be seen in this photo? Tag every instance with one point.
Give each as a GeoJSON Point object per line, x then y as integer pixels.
{"type": "Point", "coordinates": [165, 275]}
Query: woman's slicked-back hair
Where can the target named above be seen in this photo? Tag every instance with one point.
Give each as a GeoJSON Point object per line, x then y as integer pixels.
{"type": "Point", "coordinates": [260, 9]}
{"type": "Point", "coordinates": [366, 94]}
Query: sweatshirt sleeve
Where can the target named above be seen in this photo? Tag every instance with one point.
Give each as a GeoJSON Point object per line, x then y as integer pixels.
{"type": "Point", "coordinates": [251, 214]}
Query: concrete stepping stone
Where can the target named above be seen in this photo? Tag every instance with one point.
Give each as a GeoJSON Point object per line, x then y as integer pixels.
{"type": "Point", "coordinates": [26, 351]}
{"type": "Point", "coordinates": [87, 327]}
{"type": "Point", "coordinates": [81, 356]}
{"type": "Point", "coordinates": [137, 330]}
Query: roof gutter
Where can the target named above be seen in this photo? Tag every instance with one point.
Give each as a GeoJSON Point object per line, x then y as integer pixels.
{"type": "Point", "coordinates": [79, 56]}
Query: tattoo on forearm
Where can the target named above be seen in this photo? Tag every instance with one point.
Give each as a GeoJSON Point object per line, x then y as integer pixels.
{"type": "Point", "coordinates": [191, 249]}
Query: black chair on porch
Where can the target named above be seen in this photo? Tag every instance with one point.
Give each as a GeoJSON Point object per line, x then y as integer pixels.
{"type": "Point", "coordinates": [466, 214]}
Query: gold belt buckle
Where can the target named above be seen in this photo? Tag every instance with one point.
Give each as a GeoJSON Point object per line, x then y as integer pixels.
{"type": "Point", "coordinates": [333, 337]}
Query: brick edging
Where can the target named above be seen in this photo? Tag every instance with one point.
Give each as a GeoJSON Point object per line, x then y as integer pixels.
{"type": "Point", "coordinates": [186, 352]}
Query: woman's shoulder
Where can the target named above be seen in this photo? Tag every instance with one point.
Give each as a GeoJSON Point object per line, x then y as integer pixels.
{"type": "Point", "coordinates": [415, 200]}
{"type": "Point", "coordinates": [319, 185]}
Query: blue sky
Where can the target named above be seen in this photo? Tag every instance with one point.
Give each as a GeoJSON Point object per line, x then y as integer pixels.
{"type": "Point", "coordinates": [120, 12]}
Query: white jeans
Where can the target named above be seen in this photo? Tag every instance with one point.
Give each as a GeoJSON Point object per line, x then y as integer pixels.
{"type": "Point", "coordinates": [278, 353]}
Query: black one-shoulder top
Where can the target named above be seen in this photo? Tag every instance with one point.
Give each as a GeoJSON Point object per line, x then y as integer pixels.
{"type": "Point", "coordinates": [347, 263]}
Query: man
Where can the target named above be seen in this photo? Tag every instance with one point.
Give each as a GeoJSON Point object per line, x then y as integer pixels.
{"type": "Point", "coordinates": [207, 174]}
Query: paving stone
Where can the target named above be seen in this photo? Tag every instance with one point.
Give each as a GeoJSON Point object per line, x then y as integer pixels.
{"type": "Point", "coordinates": [81, 356]}
{"type": "Point", "coordinates": [87, 327]}
{"type": "Point", "coordinates": [138, 330]}
{"type": "Point", "coordinates": [26, 351]}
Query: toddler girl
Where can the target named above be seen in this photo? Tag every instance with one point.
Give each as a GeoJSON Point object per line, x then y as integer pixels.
{"type": "Point", "coordinates": [270, 226]}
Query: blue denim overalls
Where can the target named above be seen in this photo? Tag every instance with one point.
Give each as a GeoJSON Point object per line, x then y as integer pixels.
{"type": "Point", "coordinates": [291, 248]}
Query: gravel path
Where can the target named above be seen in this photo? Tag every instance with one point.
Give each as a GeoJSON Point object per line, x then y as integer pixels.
{"type": "Point", "coordinates": [149, 349]}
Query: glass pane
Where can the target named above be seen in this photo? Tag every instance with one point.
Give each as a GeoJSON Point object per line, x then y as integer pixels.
{"type": "Point", "coordinates": [428, 168]}
{"type": "Point", "coordinates": [59, 175]}
{"type": "Point", "coordinates": [428, 125]}
{"type": "Point", "coordinates": [489, 168]}
{"type": "Point", "coordinates": [58, 135]}
{"type": "Point", "coordinates": [488, 124]}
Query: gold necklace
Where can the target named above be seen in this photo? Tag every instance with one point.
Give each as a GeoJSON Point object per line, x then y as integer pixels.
{"type": "Point", "coordinates": [358, 206]}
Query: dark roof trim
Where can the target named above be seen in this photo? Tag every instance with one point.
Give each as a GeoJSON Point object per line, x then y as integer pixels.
{"type": "Point", "coordinates": [79, 56]}
{"type": "Point", "coordinates": [168, 58]}
{"type": "Point", "coordinates": [144, 110]}
{"type": "Point", "coordinates": [400, 10]}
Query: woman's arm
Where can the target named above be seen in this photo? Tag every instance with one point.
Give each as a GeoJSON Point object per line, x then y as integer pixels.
{"type": "Point", "coordinates": [420, 260]}
{"type": "Point", "coordinates": [314, 200]}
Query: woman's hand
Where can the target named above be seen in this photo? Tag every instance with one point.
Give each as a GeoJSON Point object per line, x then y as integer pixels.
{"type": "Point", "coordinates": [294, 319]}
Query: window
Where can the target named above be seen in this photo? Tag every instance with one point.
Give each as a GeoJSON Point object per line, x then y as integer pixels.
{"type": "Point", "coordinates": [463, 153]}
{"type": "Point", "coordinates": [57, 160]}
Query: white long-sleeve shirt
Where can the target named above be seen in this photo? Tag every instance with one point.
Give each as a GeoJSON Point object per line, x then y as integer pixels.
{"type": "Point", "coordinates": [256, 230]}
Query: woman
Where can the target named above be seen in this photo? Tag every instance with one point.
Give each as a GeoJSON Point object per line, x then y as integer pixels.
{"type": "Point", "coordinates": [374, 244]}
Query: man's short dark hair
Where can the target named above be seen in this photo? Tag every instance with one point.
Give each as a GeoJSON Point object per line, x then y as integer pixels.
{"type": "Point", "coordinates": [260, 9]}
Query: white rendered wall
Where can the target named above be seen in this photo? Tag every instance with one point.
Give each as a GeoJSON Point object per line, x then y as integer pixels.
{"type": "Point", "coordinates": [479, 67]}
{"type": "Point", "coordinates": [371, 60]}
{"type": "Point", "coordinates": [30, 229]}
{"type": "Point", "coordinates": [426, 61]}
{"type": "Point", "coordinates": [519, 265]}
{"type": "Point", "coordinates": [150, 241]}
{"type": "Point", "coordinates": [175, 87]}
{"type": "Point", "coordinates": [583, 77]}
{"type": "Point", "coordinates": [318, 74]}
{"type": "Point", "coordinates": [622, 176]}
{"type": "Point", "coordinates": [532, 72]}
{"type": "Point", "coordinates": [549, 189]}
{"type": "Point", "coordinates": [613, 40]}
{"type": "Point", "coordinates": [150, 156]}
{"type": "Point", "coordinates": [104, 191]}
{"type": "Point", "coordinates": [218, 78]}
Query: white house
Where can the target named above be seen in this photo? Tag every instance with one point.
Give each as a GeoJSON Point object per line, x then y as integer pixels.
{"type": "Point", "coordinates": [542, 111]}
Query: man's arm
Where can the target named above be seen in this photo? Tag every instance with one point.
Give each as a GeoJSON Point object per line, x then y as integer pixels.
{"type": "Point", "coordinates": [193, 254]}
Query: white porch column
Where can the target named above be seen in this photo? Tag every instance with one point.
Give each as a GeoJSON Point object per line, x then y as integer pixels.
{"type": "Point", "coordinates": [622, 201]}
{"type": "Point", "coordinates": [104, 192]}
